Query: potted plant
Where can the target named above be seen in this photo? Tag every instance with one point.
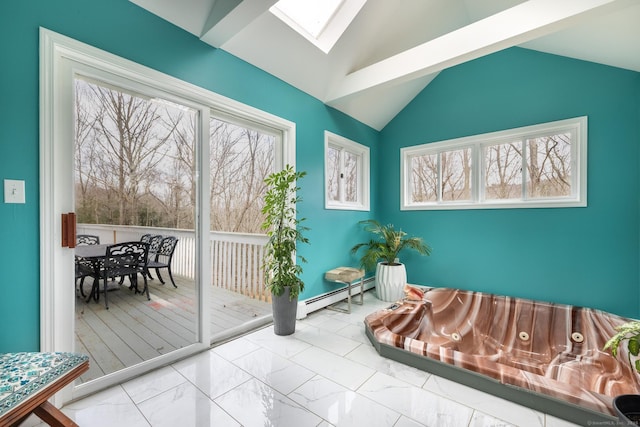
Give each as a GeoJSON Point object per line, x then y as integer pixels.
{"type": "Point", "coordinates": [284, 231]}
{"type": "Point", "coordinates": [382, 252]}
{"type": "Point", "coordinates": [627, 406]}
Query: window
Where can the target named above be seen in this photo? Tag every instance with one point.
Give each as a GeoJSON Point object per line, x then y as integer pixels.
{"type": "Point", "coordinates": [535, 166]}
{"type": "Point", "coordinates": [310, 16]}
{"type": "Point", "coordinates": [346, 174]}
{"type": "Point", "coordinates": [322, 22]}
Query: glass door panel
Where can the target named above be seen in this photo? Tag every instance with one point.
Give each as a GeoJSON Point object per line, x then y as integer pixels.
{"type": "Point", "coordinates": [135, 180]}
{"type": "Point", "coordinates": [241, 157]}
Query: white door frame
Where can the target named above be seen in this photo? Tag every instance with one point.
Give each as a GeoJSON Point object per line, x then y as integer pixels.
{"type": "Point", "coordinates": [59, 56]}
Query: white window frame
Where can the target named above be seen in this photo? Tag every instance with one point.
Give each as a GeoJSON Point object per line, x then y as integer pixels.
{"type": "Point", "coordinates": [363, 184]}
{"type": "Point", "coordinates": [477, 143]}
{"type": "Point", "coordinates": [332, 30]}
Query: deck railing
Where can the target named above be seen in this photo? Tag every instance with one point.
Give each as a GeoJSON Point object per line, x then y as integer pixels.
{"type": "Point", "coordinates": [235, 257]}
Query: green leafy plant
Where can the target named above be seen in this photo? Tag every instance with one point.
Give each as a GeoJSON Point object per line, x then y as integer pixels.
{"type": "Point", "coordinates": [386, 244]}
{"type": "Point", "coordinates": [629, 332]}
{"type": "Point", "coordinates": [284, 231]}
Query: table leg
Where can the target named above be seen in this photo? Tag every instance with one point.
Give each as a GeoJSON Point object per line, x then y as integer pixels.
{"type": "Point", "coordinates": [53, 416]}
{"type": "Point", "coordinates": [95, 287]}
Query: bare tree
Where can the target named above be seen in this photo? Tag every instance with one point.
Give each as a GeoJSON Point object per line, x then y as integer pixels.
{"type": "Point", "coordinates": [549, 166]}
{"type": "Point", "coordinates": [503, 170]}
{"type": "Point", "coordinates": [241, 158]}
{"type": "Point", "coordinates": [456, 174]}
{"type": "Point", "coordinates": [136, 163]}
{"type": "Point", "coordinates": [424, 171]}
{"type": "Point", "coordinates": [342, 179]}
{"type": "Point", "coordinates": [223, 160]}
{"type": "Point", "coordinates": [350, 177]}
{"type": "Point", "coordinates": [85, 157]}
{"type": "Point", "coordinates": [174, 187]}
{"type": "Point", "coordinates": [130, 143]}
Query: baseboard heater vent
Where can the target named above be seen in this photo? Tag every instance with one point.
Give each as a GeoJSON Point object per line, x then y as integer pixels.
{"type": "Point", "coordinates": [323, 300]}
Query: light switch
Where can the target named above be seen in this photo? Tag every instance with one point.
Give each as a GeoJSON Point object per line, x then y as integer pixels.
{"type": "Point", "coordinates": [14, 191]}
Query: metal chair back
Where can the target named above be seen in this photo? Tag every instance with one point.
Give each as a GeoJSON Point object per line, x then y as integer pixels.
{"type": "Point", "coordinates": [163, 259]}
{"type": "Point", "coordinates": [125, 259]}
{"type": "Point", "coordinates": [154, 245]}
{"type": "Point", "coordinates": [87, 239]}
{"type": "Point", "coordinates": [167, 247]}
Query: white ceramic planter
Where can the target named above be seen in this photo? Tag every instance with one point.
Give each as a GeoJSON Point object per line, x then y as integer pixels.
{"type": "Point", "coordinates": [390, 281]}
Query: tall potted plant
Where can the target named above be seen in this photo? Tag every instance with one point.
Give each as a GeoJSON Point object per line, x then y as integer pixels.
{"type": "Point", "coordinates": [627, 406]}
{"type": "Point", "coordinates": [382, 252]}
{"type": "Point", "coordinates": [284, 229]}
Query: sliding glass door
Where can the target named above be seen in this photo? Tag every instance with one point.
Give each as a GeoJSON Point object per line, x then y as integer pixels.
{"type": "Point", "coordinates": [242, 154]}
{"type": "Point", "coordinates": [136, 154]}
{"type": "Point", "coordinates": [135, 163]}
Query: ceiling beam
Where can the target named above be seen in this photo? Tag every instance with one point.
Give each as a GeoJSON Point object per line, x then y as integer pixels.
{"type": "Point", "coordinates": [219, 10]}
{"type": "Point", "coordinates": [229, 17]}
{"type": "Point", "coordinates": [508, 28]}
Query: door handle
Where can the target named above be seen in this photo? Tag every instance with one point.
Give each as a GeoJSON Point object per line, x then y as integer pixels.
{"type": "Point", "coordinates": [69, 230]}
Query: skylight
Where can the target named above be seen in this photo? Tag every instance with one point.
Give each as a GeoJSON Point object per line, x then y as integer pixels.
{"type": "Point", "coordinates": [322, 22]}
{"type": "Point", "coordinates": [310, 15]}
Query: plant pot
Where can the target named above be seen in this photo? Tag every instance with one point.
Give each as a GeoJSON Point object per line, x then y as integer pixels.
{"type": "Point", "coordinates": [627, 407]}
{"type": "Point", "coordinates": [284, 312]}
{"type": "Point", "coordinates": [390, 281]}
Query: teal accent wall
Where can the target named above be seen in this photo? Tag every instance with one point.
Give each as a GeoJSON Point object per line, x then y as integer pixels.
{"type": "Point", "coordinates": [124, 29]}
{"type": "Point", "coordinates": [584, 256]}
{"type": "Point", "coordinates": [581, 256]}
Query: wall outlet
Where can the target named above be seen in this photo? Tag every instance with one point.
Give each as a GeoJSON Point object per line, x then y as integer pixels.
{"type": "Point", "coordinates": [14, 191]}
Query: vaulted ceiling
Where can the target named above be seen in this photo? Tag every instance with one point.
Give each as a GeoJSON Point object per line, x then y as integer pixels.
{"type": "Point", "coordinates": [394, 48]}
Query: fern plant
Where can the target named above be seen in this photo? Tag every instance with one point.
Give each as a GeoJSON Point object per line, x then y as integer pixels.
{"type": "Point", "coordinates": [284, 230]}
{"type": "Point", "coordinates": [631, 333]}
{"type": "Point", "coordinates": [386, 244]}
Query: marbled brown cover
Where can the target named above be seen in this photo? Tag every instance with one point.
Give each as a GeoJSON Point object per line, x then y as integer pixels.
{"type": "Point", "coordinates": [549, 348]}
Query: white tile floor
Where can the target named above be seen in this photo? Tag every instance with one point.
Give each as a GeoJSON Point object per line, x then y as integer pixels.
{"type": "Point", "coordinates": [326, 374]}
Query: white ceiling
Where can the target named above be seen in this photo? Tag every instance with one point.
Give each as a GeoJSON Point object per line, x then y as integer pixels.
{"type": "Point", "coordinates": [394, 48]}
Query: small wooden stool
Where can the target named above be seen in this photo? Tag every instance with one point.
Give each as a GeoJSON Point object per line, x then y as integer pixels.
{"type": "Point", "coordinates": [345, 276]}
{"type": "Point", "coordinates": [28, 380]}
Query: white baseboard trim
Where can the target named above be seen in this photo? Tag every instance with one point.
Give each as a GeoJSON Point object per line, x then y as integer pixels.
{"type": "Point", "coordinates": [323, 300]}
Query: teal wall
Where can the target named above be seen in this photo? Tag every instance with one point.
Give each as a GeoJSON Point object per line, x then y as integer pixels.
{"type": "Point", "coordinates": [582, 256]}
{"type": "Point", "coordinates": [120, 27]}
{"type": "Point", "coordinates": [585, 256]}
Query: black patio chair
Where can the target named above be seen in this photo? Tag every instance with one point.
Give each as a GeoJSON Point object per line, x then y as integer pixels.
{"type": "Point", "coordinates": [154, 243]}
{"type": "Point", "coordinates": [125, 259]}
{"type": "Point", "coordinates": [87, 239]}
{"type": "Point", "coordinates": [154, 246]}
{"type": "Point", "coordinates": [163, 258]}
{"type": "Point", "coordinates": [84, 268]}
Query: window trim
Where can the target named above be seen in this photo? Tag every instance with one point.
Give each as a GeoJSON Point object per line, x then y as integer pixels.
{"type": "Point", "coordinates": [333, 29]}
{"type": "Point", "coordinates": [477, 144]}
{"type": "Point", "coordinates": [364, 177]}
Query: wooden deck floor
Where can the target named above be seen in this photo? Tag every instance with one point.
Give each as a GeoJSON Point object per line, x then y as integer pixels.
{"type": "Point", "coordinates": [134, 329]}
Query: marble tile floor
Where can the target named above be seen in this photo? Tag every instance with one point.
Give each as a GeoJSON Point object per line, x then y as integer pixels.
{"type": "Point", "coordinates": [326, 374]}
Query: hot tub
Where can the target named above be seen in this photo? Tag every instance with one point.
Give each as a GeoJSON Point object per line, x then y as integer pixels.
{"type": "Point", "coordinates": [545, 356]}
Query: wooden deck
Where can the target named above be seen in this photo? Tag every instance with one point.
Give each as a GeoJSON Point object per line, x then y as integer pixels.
{"type": "Point", "coordinates": [134, 329]}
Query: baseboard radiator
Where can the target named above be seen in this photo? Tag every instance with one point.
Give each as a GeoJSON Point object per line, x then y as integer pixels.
{"type": "Point", "coordinates": [323, 300]}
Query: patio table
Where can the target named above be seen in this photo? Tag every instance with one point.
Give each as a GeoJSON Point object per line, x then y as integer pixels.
{"type": "Point", "coordinates": [94, 254]}
{"type": "Point", "coordinates": [91, 252]}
